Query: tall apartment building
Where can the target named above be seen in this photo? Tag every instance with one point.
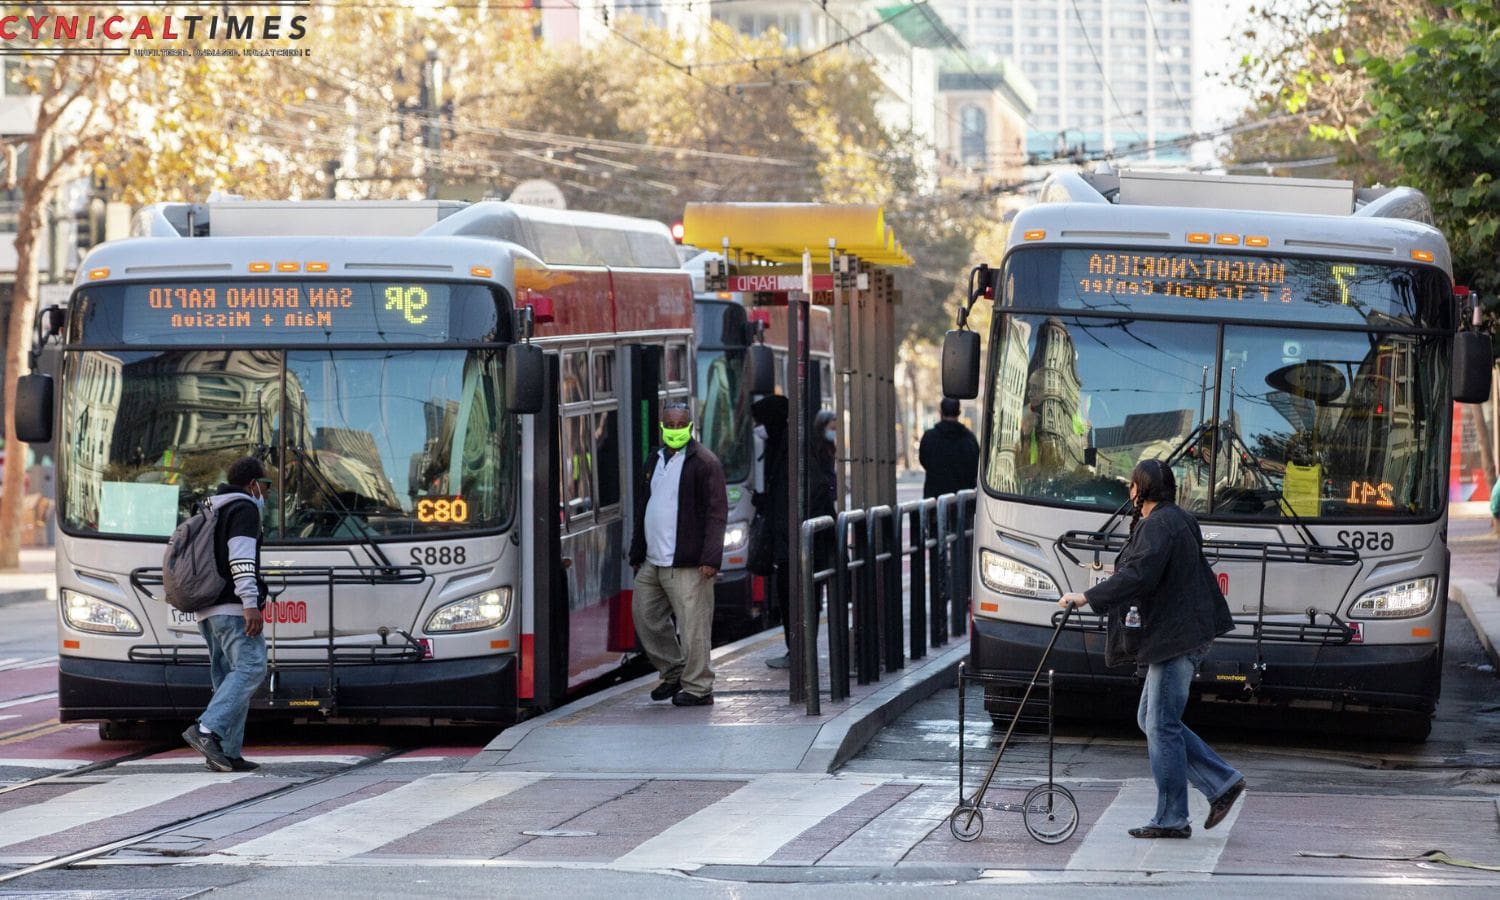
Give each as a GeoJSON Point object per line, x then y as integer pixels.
{"type": "Point", "coordinates": [1112, 75]}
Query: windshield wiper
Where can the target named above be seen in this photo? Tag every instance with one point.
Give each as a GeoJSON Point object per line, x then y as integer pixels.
{"type": "Point", "coordinates": [1242, 455]}
{"type": "Point", "coordinates": [328, 490]}
{"type": "Point", "coordinates": [1169, 460]}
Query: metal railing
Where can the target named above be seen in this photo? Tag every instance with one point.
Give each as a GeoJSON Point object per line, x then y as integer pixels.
{"type": "Point", "coordinates": [870, 628]}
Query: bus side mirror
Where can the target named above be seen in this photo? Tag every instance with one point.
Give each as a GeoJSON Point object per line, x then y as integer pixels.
{"type": "Point", "coordinates": [34, 408]}
{"type": "Point", "coordinates": [961, 365]}
{"type": "Point", "coordinates": [762, 374]}
{"type": "Point", "coordinates": [1473, 361]}
{"type": "Point", "coordinates": [524, 371]}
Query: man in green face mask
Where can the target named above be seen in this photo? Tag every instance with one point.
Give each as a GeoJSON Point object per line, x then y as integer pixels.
{"type": "Point", "coordinates": [675, 551]}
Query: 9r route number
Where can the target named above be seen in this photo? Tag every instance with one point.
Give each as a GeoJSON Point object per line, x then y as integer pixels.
{"type": "Point", "coordinates": [1367, 540]}
{"type": "Point", "coordinates": [438, 556]}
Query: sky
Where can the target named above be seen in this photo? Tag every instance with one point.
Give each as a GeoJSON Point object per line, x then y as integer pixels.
{"type": "Point", "coordinates": [1215, 23]}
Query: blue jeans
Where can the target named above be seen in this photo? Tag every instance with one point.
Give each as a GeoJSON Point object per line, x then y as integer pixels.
{"type": "Point", "coordinates": [238, 664]}
{"type": "Point", "coordinates": [1178, 756]}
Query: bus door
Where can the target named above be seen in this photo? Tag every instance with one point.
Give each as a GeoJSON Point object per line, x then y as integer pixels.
{"type": "Point", "coordinates": [543, 679]}
{"type": "Point", "coordinates": [641, 418]}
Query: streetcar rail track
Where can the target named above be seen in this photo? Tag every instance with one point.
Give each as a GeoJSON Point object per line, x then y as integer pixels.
{"type": "Point", "coordinates": [88, 853]}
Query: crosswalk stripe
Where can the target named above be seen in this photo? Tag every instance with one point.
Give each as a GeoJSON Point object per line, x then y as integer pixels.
{"type": "Point", "coordinates": [98, 802]}
{"type": "Point", "coordinates": [751, 824]}
{"type": "Point", "coordinates": [887, 839]}
{"type": "Point", "coordinates": [27, 763]}
{"type": "Point", "coordinates": [369, 824]}
{"type": "Point", "coordinates": [1109, 847]}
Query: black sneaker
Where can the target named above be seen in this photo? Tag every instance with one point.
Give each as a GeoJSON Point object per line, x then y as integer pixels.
{"type": "Point", "coordinates": [666, 690]}
{"type": "Point", "coordinates": [784, 661]}
{"type": "Point", "coordinates": [686, 699]}
{"type": "Point", "coordinates": [241, 764]}
{"type": "Point", "coordinates": [208, 745]}
{"type": "Point", "coordinates": [1220, 808]}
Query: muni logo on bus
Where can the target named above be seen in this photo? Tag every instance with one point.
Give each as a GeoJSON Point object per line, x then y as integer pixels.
{"type": "Point", "coordinates": [286, 612]}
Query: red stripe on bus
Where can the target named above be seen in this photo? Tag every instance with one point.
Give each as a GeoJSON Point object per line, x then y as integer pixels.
{"type": "Point", "coordinates": [526, 678]}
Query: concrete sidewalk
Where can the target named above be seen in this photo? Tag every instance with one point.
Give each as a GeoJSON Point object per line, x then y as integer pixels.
{"type": "Point", "coordinates": [751, 728]}
{"type": "Point", "coordinates": [1475, 568]}
{"type": "Point", "coordinates": [34, 580]}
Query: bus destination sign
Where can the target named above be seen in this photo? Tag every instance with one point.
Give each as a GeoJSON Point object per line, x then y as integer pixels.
{"type": "Point", "coordinates": [241, 312]}
{"type": "Point", "coordinates": [1197, 277]}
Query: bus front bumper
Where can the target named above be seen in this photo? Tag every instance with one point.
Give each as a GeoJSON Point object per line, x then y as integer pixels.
{"type": "Point", "coordinates": [479, 689]}
{"type": "Point", "coordinates": [1387, 676]}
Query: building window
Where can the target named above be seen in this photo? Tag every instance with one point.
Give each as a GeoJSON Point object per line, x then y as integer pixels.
{"type": "Point", "coordinates": [974, 138]}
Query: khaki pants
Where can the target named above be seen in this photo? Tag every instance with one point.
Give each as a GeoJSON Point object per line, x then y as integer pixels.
{"type": "Point", "coordinates": [660, 594]}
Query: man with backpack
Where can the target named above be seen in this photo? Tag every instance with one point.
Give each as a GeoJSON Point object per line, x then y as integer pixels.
{"type": "Point", "coordinates": [232, 623]}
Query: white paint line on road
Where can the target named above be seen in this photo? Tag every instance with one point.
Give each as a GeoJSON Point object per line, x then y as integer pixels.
{"type": "Point", "coordinates": [369, 824]}
{"type": "Point", "coordinates": [7, 762]}
{"type": "Point", "coordinates": [886, 840]}
{"type": "Point", "coordinates": [99, 802]}
{"type": "Point", "coordinates": [22, 701]}
{"type": "Point", "coordinates": [1109, 846]}
{"type": "Point", "coordinates": [751, 824]}
{"type": "Point", "coordinates": [195, 759]}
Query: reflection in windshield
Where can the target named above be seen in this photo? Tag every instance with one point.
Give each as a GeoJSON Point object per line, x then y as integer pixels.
{"type": "Point", "coordinates": [724, 411]}
{"type": "Point", "coordinates": [365, 433]}
{"type": "Point", "coordinates": [1310, 423]}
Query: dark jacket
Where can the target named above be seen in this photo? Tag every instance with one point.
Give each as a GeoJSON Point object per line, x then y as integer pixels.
{"type": "Point", "coordinates": [950, 455]}
{"type": "Point", "coordinates": [702, 508]}
{"type": "Point", "coordinates": [1161, 571]}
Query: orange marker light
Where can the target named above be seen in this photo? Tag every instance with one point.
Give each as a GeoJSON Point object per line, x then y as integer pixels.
{"type": "Point", "coordinates": [481, 271]}
{"type": "Point", "coordinates": [96, 274]}
{"type": "Point", "coordinates": [989, 607]}
{"type": "Point", "coordinates": [1257, 241]}
{"type": "Point", "coordinates": [1036, 235]}
{"type": "Point", "coordinates": [1229, 239]}
{"type": "Point", "coordinates": [288, 267]}
{"type": "Point", "coordinates": [1198, 237]}
{"type": "Point", "coordinates": [499, 645]}
{"type": "Point", "coordinates": [317, 267]}
{"type": "Point", "coordinates": [71, 645]}
{"type": "Point", "coordinates": [260, 267]}
{"type": "Point", "coordinates": [1421, 632]}
{"type": "Point", "coordinates": [1422, 255]}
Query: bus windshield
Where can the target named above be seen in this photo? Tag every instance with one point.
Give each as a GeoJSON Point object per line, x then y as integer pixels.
{"type": "Point", "coordinates": [409, 442]}
{"type": "Point", "coordinates": [1311, 423]}
{"type": "Point", "coordinates": [724, 412]}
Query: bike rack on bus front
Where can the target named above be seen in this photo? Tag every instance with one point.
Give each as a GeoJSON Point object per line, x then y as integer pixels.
{"type": "Point", "coordinates": [325, 701]}
{"type": "Point", "coordinates": [1336, 632]}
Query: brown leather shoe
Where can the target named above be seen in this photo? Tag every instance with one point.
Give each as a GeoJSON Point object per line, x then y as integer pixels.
{"type": "Point", "coordinates": [1220, 807]}
{"type": "Point", "coordinates": [1156, 831]}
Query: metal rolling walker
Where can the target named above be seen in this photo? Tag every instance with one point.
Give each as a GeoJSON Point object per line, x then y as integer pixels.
{"type": "Point", "coordinates": [1049, 811]}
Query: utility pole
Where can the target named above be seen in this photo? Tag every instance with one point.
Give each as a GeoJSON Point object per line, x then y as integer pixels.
{"type": "Point", "coordinates": [430, 102]}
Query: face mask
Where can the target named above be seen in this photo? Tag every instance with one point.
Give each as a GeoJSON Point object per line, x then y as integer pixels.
{"type": "Point", "coordinates": [676, 438]}
{"type": "Point", "coordinates": [830, 435]}
{"type": "Point", "coordinates": [260, 503]}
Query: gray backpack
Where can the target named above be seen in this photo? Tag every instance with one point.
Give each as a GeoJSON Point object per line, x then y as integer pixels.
{"type": "Point", "coordinates": [190, 570]}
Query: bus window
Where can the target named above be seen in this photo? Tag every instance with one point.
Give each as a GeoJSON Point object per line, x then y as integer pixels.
{"type": "Point", "coordinates": [676, 364]}
{"type": "Point", "coordinates": [575, 376]}
{"type": "Point", "coordinates": [604, 247]}
{"type": "Point", "coordinates": [607, 458]}
{"type": "Point", "coordinates": [557, 243]}
{"type": "Point", "coordinates": [577, 459]}
{"type": "Point", "coordinates": [604, 374]}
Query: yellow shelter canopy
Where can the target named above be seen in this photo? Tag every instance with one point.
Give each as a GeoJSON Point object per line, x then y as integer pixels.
{"type": "Point", "coordinates": [780, 232]}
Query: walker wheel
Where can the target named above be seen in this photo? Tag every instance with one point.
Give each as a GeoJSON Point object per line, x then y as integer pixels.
{"type": "Point", "coordinates": [966, 823]}
{"type": "Point", "coordinates": [1050, 813]}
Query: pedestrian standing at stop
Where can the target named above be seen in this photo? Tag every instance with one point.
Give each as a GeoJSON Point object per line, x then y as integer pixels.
{"type": "Point", "coordinates": [232, 628]}
{"type": "Point", "coordinates": [676, 550]}
{"type": "Point", "coordinates": [1161, 572]}
{"type": "Point", "coordinates": [949, 454]}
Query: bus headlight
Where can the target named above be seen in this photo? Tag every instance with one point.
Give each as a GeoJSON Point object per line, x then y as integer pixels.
{"type": "Point", "coordinates": [736, 535]}
{"type": "Point", "coordinates": [475, 613]}
{"type": "Point", "coordinates": [1007, 576]}
{"type": "Point", "coordinates": [1396, 601]}
{"type": "Point", "coordinates": [87, 613]}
